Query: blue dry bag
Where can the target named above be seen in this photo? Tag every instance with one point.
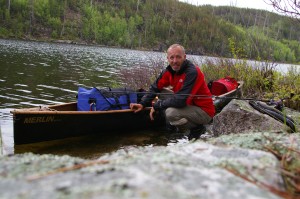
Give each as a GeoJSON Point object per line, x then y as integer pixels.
{"type": "Point", "coordinates": [100, 99]}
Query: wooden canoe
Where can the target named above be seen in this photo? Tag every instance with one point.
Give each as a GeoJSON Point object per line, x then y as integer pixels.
{"type": "Point", "coordinates": [63, 120]}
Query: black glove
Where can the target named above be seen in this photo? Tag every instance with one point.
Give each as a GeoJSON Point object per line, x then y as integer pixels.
{"type": "Point", "coordinates": [157, 105]}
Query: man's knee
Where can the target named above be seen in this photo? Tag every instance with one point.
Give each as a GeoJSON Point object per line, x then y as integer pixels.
{"type": "Point", "coordinates": [174, 117]}
{"type": "Point", "coordinates": [171, 114]}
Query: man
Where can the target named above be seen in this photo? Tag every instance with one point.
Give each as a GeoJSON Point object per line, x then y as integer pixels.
{"type": "Point", "coordinates": [191, 105]}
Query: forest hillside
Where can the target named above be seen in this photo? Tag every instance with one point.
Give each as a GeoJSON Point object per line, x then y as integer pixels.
{"type": "Point", "coordinates": [154, 25]}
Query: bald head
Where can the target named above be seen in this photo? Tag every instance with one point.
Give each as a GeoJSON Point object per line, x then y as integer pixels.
{"type": "Point", "coordinates": [176, 46]}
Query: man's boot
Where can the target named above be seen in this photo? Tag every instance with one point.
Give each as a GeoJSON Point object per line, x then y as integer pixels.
{"type": "Point", "coordinates": [196, 132]}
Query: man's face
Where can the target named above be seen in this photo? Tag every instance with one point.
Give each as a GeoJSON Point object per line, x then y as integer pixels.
{"type": "Point", "coordinates": [176, 57]}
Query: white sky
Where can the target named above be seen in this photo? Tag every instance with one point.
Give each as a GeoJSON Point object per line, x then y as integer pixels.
{"type": "Point", "coordinates": [256, 4]}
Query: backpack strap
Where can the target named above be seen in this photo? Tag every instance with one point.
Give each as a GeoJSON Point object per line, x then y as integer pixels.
{"type": "Point", "coordinates": [102, 92]}
{"type": "Point", "coordinates": [115, 96]}
{"type": "Point", "coordinates": [127, 96]}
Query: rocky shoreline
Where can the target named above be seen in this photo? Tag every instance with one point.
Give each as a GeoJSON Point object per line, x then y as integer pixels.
{"type": "Point", "coordinates": [229, 165]}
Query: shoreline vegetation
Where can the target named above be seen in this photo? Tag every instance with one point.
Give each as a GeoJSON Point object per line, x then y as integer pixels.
{"type": "Point", "coordinates": [84, 43]}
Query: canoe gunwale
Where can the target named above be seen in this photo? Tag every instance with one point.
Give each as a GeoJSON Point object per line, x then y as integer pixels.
{"type": "Point", "coordinates": [241, 83]}
{"type": "Point", "coordinates": [69, 112]}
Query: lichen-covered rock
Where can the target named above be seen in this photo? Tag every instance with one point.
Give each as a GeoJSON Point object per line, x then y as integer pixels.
{"type": "Point", "coordinates": [239, 117]}
{"type": "Point", "coordinates": [259, 140]}
{"type": "Point", "coordinates": [187, 170]}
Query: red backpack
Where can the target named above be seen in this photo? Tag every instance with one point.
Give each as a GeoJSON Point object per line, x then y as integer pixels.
{"type": "Point", "coordinates": [223, 85]}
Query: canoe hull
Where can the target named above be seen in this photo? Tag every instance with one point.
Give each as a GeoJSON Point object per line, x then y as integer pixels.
{"type": "Point", "coordinates": [43, 126]}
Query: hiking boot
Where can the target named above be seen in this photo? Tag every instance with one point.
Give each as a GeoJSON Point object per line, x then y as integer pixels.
{"type": "Point", "coordinates": [196, 132]}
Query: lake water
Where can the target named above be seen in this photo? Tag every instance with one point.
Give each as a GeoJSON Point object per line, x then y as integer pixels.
{"type": "Point", "coordinates": [39, 73]}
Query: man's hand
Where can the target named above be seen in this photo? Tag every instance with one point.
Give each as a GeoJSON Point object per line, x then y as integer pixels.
{"type": "Point", "coordinates": [152, 111]}
{"type": "Point", "coordinates": [136, 107]}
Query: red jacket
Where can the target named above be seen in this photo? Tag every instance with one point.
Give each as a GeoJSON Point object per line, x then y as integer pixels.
{"type": "Point", "coordinates": [188, 81]}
